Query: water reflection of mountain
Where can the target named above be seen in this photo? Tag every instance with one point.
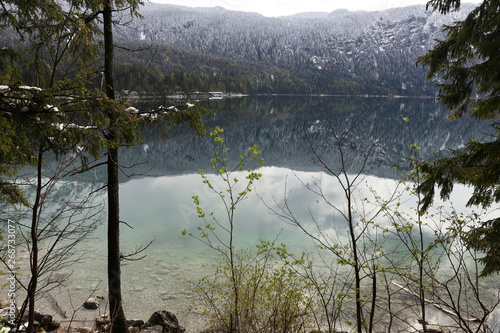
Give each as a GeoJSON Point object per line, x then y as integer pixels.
{"type": "Point", "coordinates": [278, 126]}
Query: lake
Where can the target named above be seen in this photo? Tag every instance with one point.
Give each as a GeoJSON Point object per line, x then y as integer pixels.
{"type": "Point", "coordinates": [295, 137]}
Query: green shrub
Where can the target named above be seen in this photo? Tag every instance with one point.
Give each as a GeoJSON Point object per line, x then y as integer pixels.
{"type": "Point", "coordinates": [271, 296]}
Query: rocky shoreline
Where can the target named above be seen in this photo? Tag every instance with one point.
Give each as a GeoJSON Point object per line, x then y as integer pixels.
{"type": "Point", "coordinates": [161, 321]}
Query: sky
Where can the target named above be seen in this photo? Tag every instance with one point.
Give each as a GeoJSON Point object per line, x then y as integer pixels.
{"type": "Point", "coordinates": [272, 8]}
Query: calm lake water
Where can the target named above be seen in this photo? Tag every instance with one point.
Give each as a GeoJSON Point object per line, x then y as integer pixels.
{"type": "Point", "coordinates": [157, 202]}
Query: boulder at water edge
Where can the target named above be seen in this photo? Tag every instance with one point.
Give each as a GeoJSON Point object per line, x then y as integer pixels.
{"type": "Point", "coordinates": [91, 304]}
{"type": "Point", "coordinates": [167, 320]}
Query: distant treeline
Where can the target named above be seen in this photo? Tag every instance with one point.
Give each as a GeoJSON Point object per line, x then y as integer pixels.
{"type": "Point", "coordinates": [164, 69]}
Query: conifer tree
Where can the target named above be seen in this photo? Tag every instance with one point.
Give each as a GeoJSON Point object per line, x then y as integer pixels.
{"type": "Point", "coordinates": [467, 65]}
{"type": "Point", "coordinates": [63, 109]}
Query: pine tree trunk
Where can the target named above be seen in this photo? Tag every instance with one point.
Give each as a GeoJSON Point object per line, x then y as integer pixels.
{"type": "Point", "coordinates": [118, 321]}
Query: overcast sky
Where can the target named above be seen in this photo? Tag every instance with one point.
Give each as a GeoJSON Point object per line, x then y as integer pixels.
{"type": "Point", "coordinates": [290, 7]}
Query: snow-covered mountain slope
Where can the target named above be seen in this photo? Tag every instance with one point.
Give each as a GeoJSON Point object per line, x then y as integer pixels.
{"type": "Point", "coordinates": [364, 48]}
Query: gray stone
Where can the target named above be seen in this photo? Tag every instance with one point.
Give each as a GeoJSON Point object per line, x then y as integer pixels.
{"type": "Point", "coordinates": [198, 311]}
{"type": "Point", "coordinates": [58, 276]}
{"type": "Point", "coordinates": [152, 329]}
{"type": "Point", "coordinates": [166, 297]}
{"type": "Point", "coordinates": [213, 330]}
{"type": "Point", "coordinates": [166, 319]}
{"type": "Point", "coordinates": [135, 322]}
{"type": "Point", "coordinates": [61, 329]}
{"type": "Point", "coordinates": [5, 313]}
{"type": "Point", "coordinates": [54, 325]}
{"type": "Point", "coordinates": [43, 319]}
{"type": "Point", "coordinates": [82, 330]}
{"type": "Point", "coordinates": [102, 323]}
{"type": "Point", "coordinates": [436, 329]}
{"type": "Point", "coordinates": [4, 303]}
{"type": "Point", "coordinates": [91, 304]}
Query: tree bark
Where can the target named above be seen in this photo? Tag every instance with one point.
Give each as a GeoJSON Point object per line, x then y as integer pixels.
{"type": "Point", "coordinates": [117, 316]}
{"type": "Point", "coordinates": [34, 246]}
{"type": "Point", "coordinates": [357, 291]}
{"type": "Point", "coordinates": [118, 321]}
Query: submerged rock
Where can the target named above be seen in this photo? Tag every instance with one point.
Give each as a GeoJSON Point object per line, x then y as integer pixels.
{"type": "Point", "coordinates": [166, 297]}
{"type": "Point", "coordinates": [436, 329]}
{"type": "Point", "coordinates": [59, 276]}
{"type": "Point", "coordinates": [198, 311]}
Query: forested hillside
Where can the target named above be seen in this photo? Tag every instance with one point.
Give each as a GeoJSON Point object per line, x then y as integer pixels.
{"type": "Point", "coordinates": [181, 49]}
{"type": "Point", "coordinates": [336, 53]}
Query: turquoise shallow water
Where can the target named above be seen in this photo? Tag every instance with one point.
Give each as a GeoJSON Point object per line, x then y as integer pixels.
{"type": "Point", "coordinates": [158, 206]}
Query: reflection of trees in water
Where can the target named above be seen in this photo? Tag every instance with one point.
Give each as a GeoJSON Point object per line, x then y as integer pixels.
{"type": "Point", "coordinates": [275, 124]}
